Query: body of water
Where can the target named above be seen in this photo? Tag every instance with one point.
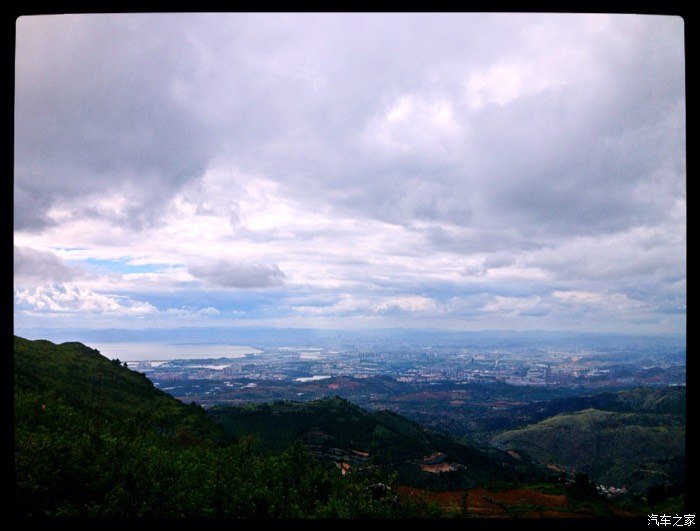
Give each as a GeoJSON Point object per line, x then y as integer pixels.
{"type": "Point", "coordinates": [163, 351]}
{"type": "Point", "coordinates": [312, 378]}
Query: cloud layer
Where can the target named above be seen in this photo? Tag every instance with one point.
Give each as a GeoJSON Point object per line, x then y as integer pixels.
{"type": "Point", "coordinates": [464, 171]}
{"type": "Point", "coordinates": [236, 275]}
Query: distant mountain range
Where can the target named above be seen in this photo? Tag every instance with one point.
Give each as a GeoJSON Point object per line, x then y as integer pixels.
{"type": "Point", "coordinates": [305, 337]}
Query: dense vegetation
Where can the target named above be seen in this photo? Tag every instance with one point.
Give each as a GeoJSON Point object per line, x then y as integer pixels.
{"type": "Point", "coordinates": [93, 438]}
{"type": "Point", "coordinates": [633, 438]}
{"type": "Point", "coordinates": [485, 422]}
{"type": "Point", "coordinates": [334, 427]}
{"type": "Point", "coordinates": [636, 400]}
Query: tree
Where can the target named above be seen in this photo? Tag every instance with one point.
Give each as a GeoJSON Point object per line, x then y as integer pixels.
{"type": "Point", "coordinates": [583, 484]}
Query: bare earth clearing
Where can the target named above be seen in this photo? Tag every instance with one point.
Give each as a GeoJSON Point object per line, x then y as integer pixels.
{"type": "Point", "coordinates": [514, 503]}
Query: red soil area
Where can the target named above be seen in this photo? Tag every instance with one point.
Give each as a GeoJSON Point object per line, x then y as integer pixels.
{"type": "Point", "coordinates": [482, 503]}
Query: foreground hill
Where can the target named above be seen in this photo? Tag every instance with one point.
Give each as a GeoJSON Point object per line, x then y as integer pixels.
{"type": "Point", "coordinates": [95, 439]}
{"type": "Point", "coordinates": [337, 430]}
{"type": "Point", "coordinates": [105, 393]}
{"type": "Point", "coordinates": [633, 438]}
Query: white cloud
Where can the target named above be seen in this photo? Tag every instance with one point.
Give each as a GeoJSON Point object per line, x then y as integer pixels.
{"type": "Point", "coordinates": [405, 304]}
{"type": "Point", "coordinates": [578, 296]}
{"type": "Point", "coordinates": [414, 125]}
{"type": "Point", "coordinates": [508, 305]}
{"type": "Point", "coordinates": [529, 72]}
{"type": "Point", "coordinates": [191, 312]}
{"type": "Point", "coordinates": [71, 299]}
{"type": "Point", "coordinates": [643, 252]}
{"type": "Point", "coordinates": [367, 305]}
{"type": "Point", "coordinates": [343, 304]}
{"type": "Point", "coordinates": [608, 302]}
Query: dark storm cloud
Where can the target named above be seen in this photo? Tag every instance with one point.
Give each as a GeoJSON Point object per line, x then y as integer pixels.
{"type": "Point", "coordinates": [41, 266]}
{"type": "Point", "coordinates": [30, 206]}
{"type": "Point", "coordinates": [97, 110]}
{"type": "Point", "coordinates": [140, 104]}
{"type": "Point", "coordinates": [582, 159]}
{"type": "Point", "coordinates": [581, 156]}
{"type": "Point", "coordinates": [306, 87]}
{"type": "Point", "coordinates": [229, 274]}
{"type": "Point", "coordinates": [582, 185]}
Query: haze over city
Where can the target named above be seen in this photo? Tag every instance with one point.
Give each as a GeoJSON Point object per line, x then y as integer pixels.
{"type": "Point", "coordinates": [461, 171]}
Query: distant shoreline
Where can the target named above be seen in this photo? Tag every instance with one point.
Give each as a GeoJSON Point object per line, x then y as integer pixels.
{"type": "Point", "coordinates": [158, 351]}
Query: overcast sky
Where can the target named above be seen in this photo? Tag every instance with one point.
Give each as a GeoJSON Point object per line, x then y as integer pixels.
{"type": "Point", "coordinates": [457, 171]}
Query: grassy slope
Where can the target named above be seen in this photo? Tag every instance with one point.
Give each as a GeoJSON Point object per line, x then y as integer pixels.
{"type": "Point", "coordinates": [104, 391]}
{"type": "Point", "coordinates": [489, 423]}
{"type": "Point", "coordinates": [614, 448]}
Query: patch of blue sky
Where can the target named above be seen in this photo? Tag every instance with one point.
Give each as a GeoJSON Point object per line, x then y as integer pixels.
{"type": "Point", "coordinates": [446, 290]}
{"type": "Point", "coordinates": [228, 303]}
{"type": "Point", "coordinates": [122, 266]}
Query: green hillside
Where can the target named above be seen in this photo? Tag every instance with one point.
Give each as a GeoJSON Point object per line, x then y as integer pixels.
{"type": "Point", "coordinates": [644, 399]}
{"type": "Point", "coordinates": [103, 392]}
{"type": "Point", "coordinates": [637, 450]}
{"type": "Point", "coordinates": [95, 439]}
{"type": "Point", "coordinates": [280, 423]}
{"type": "Point", "coordinates": [672, 400]}
{"type": "Point", "coordinates": [335, 429]}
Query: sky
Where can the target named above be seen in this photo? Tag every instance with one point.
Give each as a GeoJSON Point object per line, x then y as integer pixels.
{"type": "Point", "coordinates": [461, 171]}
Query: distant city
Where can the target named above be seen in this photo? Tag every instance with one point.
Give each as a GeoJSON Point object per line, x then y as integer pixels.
{"type": "Point", "coordinates": [222, 380]}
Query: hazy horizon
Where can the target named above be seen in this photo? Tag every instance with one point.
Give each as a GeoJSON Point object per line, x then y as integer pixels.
{"type": "Point", "coordinates": [195, 343]}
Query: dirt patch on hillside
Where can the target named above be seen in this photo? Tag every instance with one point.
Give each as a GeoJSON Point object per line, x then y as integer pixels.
{"type": "Point", "coordinates": [621, 512]}
{"type": "Point", "coordinates": [482, 503]}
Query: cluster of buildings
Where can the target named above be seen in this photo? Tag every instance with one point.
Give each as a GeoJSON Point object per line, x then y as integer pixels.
{"type": "Point", "coordinates": [520, 367]}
